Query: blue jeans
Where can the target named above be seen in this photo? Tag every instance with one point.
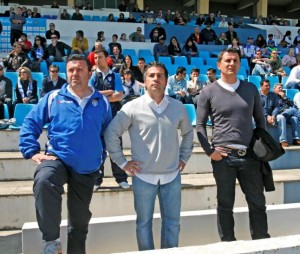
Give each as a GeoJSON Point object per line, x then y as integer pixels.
{"type": "Point", "coordinates": [170, 202]}
{"type": "Point", "coordinates": [289, 116]}
{"type": "Point", "coordinates": [247, 170]}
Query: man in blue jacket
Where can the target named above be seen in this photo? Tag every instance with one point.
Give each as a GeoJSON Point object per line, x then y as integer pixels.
{"type": "Point", "coordinates": [77, 116]}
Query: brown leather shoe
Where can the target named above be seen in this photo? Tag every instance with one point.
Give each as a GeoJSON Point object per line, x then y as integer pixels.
{"type": "Point", "coordinates": [296, 142]}
{"type": "Point", "coordinates": [284, 144]}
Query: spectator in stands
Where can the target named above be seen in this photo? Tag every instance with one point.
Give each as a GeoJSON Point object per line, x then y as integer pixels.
{"type": "Point", "coordinates": [276, 65]}
{"type": "Point", "coordinates": [260, 65]}
{"type": "Point", "coordinates": [230, 34]}
{"type": "Point", "coordinates": [174, 48]}
{"type": "Point", "coordinates": [65, 162]}
{"type": "Point", "coordinates": [54, 5]}
{"type": "Point", "coordinates": [123, 37]}
{"type": "Point", "coordinates": [147, 9]}
{"type": "Point", "coordinates": [131, 19]}
{"type": "Point", "coordinates": [77, 15]}
{"type": "Point", "coordinates": [169, 16]}
{"type": "Point", "coordinates": [53, 81]}
{"type": "Point", "coordinates": [98, 46]}
{"type": "Point", "coordinates": [210, 19]}
{"type": "Point", "coordinates": [161, 31]}
{"type": "Point", "coordinates": [137, 36]}
{"type": "Point", "coordinates": [176, 85]}
{"type": "Point", "coordinates": [222, 40]}
{"type": "Point", "coordinates": [131, 87]}
{"type": "Point", "coordinates": [189, 50]}
{"type": "Point", "coordinates": [28, 14]}
{"type": "Point", "coordinates": [235, 43]}
{"type": "Point", "coordinates": [52, 31]}
{"type": "Point", "coordinates": [35, 13]}
{"type": "Point", "coordinates": [233, 120]}
{"type": "Point", "coordinates": [80, 44]}
{"type": "Point", "coordinates": [142, 66]}
{"type": "Point", "coordinates": [17, 22]}
{"type": "Point", "coordinates": [211, 74]}
{"type": "Point", "coordinates": [259, 20]}
{"type": "Point", "coordinates": [39, 53]}
{"type": "Point", "coordinates": [154, 36]}
{"type": "Point", "coordinates": [260, 41]}
{"type": "Point", "coordinates": [194, 86]}
{"type": "Point", "coordinates": [117, 59]}
{"type": "Point", "coordinates": [79, 4]}
{"type": "Point", "coordinates": [123, 6]}
{"type": "Point", "coordinates": [114, 39]}
{"type": "Point", "coordinates": [208, 35]}
{"type": "Point", "coordinates": [100, 36]}
{"type": "Point", "coordinates": [109, 84]}
{"type": "Point", "coordinates": [156, 137]}
{"type": "Point", "coordinates": [271, 42]}
{"type": "Point", "coordinates": [65, 15]}
{"type": "Point", "coordinates": [195, 36]}
{"type": "Point", "coordinates": [26, 88]}
{"type": "Point", "coordinates": [26, 44]}
{"type": "Point", "coordinates": [185, 16]}
{"type": "Point", "coordinates": [287, 40]}
{"type": "Point", "coordinates": [58, 50]}
{"type": "Point", "coordinates": [110, 18]}
{"type": "Point", "coordinates": [5, 93]}
{"type": "Point", "coordinates": [128, 65]}
{"type": "Point", "coordinates": [121, 18]}
{"type": "Point", "coordinates": [16, 58]}
{"type": "Point", "coordinates": [219, 14]}
{"type": "Point", "coordinates": [142, 20]}
{"type": "Point", "coordinates": [293, 80]}
{"type": "Point", "coordinates": [160, 19]}
{"type": "Point", "coordinates": [200, 20]}
{"type": "Point", "coordinates": [89, 6]}
{"type": "Point", "coordinates": [289, 60]}
{"type": "Point", "coordinates": [24, 11]}
{"type": "Point", "coordinates": [249, 49]}
{"type": "Point", "coordinates": [179, 20]}
{"type": "Point", "coordinates": [160, 49]}
{"type": "Point", "coordinates": [11, 10]}
{"type": "Point", "coordinates": [136, 8]}
{"type": "Point", "coordinates": [298, 23]}
{"type": "Point", "coordinates": [287, 114]}
{"type": "Point", "coordinates": [297, 37]}
{"type": "Point", "coordinates": [241, 23]}
{"type": "Point", "coordinates": [150, 19]}
{"type": "Point", "coordinates": [223, 23]}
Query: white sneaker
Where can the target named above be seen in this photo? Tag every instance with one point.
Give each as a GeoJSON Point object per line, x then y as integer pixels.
{"type": "Point", "coordinates": [124, 185]}
{"type": "Point", "coordinates": [96, 187]}
{"type": "Point", "coordinates": [52, 247]}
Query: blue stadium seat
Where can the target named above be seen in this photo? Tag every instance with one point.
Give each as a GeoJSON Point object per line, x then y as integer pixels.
{"type": "Point", "coordinates": [144, 52]}
{"type": "Point", "coordinates": [87, 18]}
{"type": "Point", "coordinates": [6, 112]}
{"type": "Point", "coordinates": [191, 112]}
{"type": "Point", "coordinates": [290, 93]}
{"type": "Point", "coordinates": [148, 59]}
{"type": "Point", "coordinates": [273, 80]}
{"type": "Point", "coordinates": [96, 18]}
{"type": "Point", "coordinates": [203, 78]}
{"type": "Point", "coordinates": [287, 70]}
{"type": "Point", "coordinates": [240, 77]}
{"type": "Point", "coordinates": [212, 61]}
{"type": "Point", "coordinates": [204, 55]}
{"type": "Point", "coordinates": [21, 111]}
{"type": "Point", "coordinates": [62, 75]}
{"type": "Point", "coordinates": [13, 76]}
{"type": "Point", "coordinates": [62, 66]}
{"type": "Point", "coordinates": [172, 68]}
{"type": "Point", "coordinates": [44, 68]}
{"type": "Point", "coordinates": [283, 80]}
{"type": "Point", "coordinates": [180, 60]}
{"type": "Point", "coordinates": [130, 52]}
{"type": "Point", "coordinates": [189, 68]}
{"type": "Point", "coordinates": [134, 60]}
{"type": "Point", "coordinates": [198, 61]}
{"type": "Point", "coordinates": [242, 71]}
{"type": "Point", "coordinates": [245, 63]}
{"type": "Point", "coordinates": [166, 60]}
{"type": "Point", "coordinates": [38, 76]}
{"type": "Point", "coordinates": [255, 80]}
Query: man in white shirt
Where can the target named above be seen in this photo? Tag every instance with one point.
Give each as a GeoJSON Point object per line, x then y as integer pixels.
{"type": "Point", "coordinates": [293, 80]}
{"type": "Point", "coordinates": [158, 158]}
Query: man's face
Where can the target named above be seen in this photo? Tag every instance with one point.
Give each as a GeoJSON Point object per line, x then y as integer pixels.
{"type": "Point", "coordinates": [229, 64]}
{"type": "Point", "coordinates": [182, 75]}
{"type": "Point", "coordinates": [51, 26]}
{"type": "Point", "coordinates": [211, 76]}
{"type": "Point", "coordinates": [100, 60]}
{"type": "Point", "coordinates": [265, 88]}
{"type": "Point", "coordinates": [195, 74]}
{"type": "Point", "coordinates": [116, 51]}
{"type": "Point", "coordinates": [274, 54]}
{"type": "Point", "coordinates": [197, 30]}
{"type": "Point", "coordinates": [155, 80]}
{"type": "Point", "coordinates": [78, 36]}
{"type": "Point", "coordinates": [53, 72]}
{"type": "Point", "coordinates": [18, 11]}
{"type": "Point", "coordinates": [78, 75]}
{"type": "Point", "coordinates": [141, 64]}
{"type": "Point", "coordinates": [278, 89]}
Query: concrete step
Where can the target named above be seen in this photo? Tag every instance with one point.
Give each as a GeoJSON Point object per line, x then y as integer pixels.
{"type": "Point", "coordinates": [198, 193]}
{"type": "Point", "coordinates": [197, 228]}
{"type": "Point", "coordinates": [11, 241]}
{"type": "Point", "coordinates": [14, 167]}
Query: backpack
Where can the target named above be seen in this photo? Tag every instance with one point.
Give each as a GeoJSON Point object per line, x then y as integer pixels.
{"type": "Point", "coordinates": [265, 147]}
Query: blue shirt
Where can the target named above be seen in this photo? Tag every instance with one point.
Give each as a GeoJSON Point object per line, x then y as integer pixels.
{"type": "Point", "coordinates": [270, 104]}
{"type": "Point", "coordinates": [174, 86]}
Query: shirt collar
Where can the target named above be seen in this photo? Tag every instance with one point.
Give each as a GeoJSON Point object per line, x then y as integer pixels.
{"type": "Point", "coordinates": [149, 100]}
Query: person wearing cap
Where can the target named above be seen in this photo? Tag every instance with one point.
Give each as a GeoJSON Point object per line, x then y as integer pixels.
{"type": "Point", "coordinates": [161, 31]}
{"type": "Point", "coordinates": [52, 31]}
{"type": "Point", "coordinates": [5, 93]}
{"type": "Point", "coordinates": [208, 34]}
{"type": "Point", "coordinates": [249, 49]}
{"type": "Point", "coordinates": [160, 48]}
{"type": "Point", "coordinates": [137, 36]}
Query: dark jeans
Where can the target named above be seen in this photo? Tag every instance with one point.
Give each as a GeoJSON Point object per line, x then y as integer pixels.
{"type": "Point", "coordinates": [15, 36]}
{"type": "Point", "coordinates": [179, 97]}
{"type": "Point", "coordinates": [119, 174]}
{"type": "Point", "coordinates": [49, 178]}
{"type": "Point", "coordinates": [247, 170]}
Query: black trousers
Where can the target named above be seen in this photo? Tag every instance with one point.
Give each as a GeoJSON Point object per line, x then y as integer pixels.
{"type": "Point", "coordinates": [15, 36]}
{"type": "Point", "coordinates": [49, 179]}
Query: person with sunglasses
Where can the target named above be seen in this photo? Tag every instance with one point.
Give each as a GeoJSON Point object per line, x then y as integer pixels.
{"type": "Point", "coordinates": [58, 50]}
{"type": "Point", "coordinates": [53, 81]}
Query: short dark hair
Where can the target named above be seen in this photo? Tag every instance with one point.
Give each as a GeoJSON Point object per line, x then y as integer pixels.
{"type": "Point", "coordinates": [54, 66]}
{"type": "Point", "coordinates": [213, 70]}
{"type": "Point", "coordinates": [101, 50]}
{"type": "Point", "coordinates": [78, 57]}
{"type": "Point", "coordinates": [195, 70]}
{"type": "Point", "coordinates": [180, 70]}
{"type": "Point", "coordinates": [141, 59]}
{"type": "Point", "coordinates": [156, 64]}
{"type": "Point", "coordinates": [264, 81]}
{"type": "Point", "coordinates": [80, 32]}
{"type": "Point", "coordinates": [115, 35]}
{"type": "Point", "coordinates": [228, 50]}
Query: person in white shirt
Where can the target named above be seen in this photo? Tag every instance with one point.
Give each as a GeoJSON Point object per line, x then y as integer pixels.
{"type": "Point", "coordinates": [293, 80]}
{"type": "Point", "coordinates": [223, 23]}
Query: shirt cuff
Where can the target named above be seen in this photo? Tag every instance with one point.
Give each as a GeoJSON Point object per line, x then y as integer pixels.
{"type": "Point", "coordinates": [123, 165]}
